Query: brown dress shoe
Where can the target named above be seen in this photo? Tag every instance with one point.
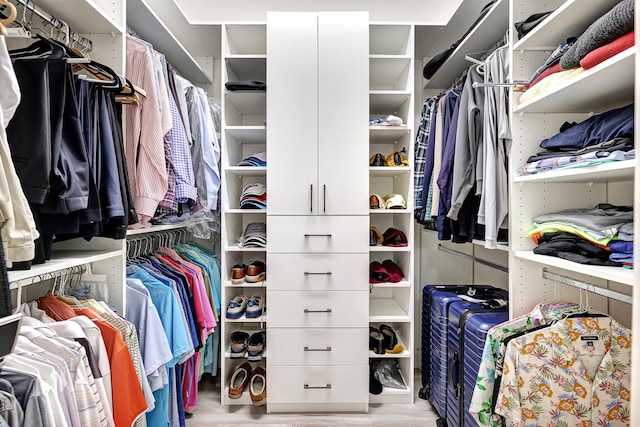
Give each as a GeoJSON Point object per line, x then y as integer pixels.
{"type": "Point", "coordinates": [238, 273]}
{"type": "Point", "coordinates": [239, 380]}
{"type": "Point", "coordinates": [256, 272]}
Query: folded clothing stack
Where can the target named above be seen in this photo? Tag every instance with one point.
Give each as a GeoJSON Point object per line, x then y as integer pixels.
{"type": "Point", "coordinates": [254, 236]}
{"type": "Point", "coordinates": [246, 85]}
{"type": "Point", "coordinates": [257, 159]}
{"type": "Point", "coordinates": [254, 196]}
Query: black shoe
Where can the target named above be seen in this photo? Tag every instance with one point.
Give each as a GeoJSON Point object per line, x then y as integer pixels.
{"type": "Point", "coordinates": [374, 385]}
{"type": "Point", "coordinates": [377, 160]}
{"type": "Point", "coordinates": [376, 341]}
{"type": "Point", "coordinates": [238, 343]}
{"type": "Point", "coordinates": [390, 338]}
{"type": "Point", "coordinates": [255, 346]}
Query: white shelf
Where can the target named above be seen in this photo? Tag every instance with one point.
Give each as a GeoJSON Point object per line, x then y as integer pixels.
{"type": "Point", "coordinates": [246, 38]}
{"type": "Point", "coordinates": [84, 16]}
{"type": "Point", "coordinates": [488, 31]}
{"type": "Point", "coordinates": [387, 101]}
{"type": "Point", "coordinates": [389, 72]}
{"type": "Point", "coordinates": [606, 172]}
{"type": "Point", "coordinates": [389, 171]}
{"type": "Point", "coordinates": [243, 400]}
{"type": "Point", "coordinates": [386, 310]}
{"type": "Point", "coordinates": [245, 211]}
{"type": "Point", "coordinates": [393, 395]}
{"type": "Point", "coordinates": [146, 23]}
{"type": "Point", "coordinates": [61, 260]}
{"type": "Point", "coordinates": [390, 211]}
{"type": "Point", "coordinates": [616, 274]}
{"type": "Point", "coordinates": [389, 39]}
{"type": "Point", "coordinates": [248, 103]}
{"type": "Point", "coordinates": [389, 249]}
{"type": "Point", "coordinates": [227, 354]}
{"type": "Point", "coordinates": [235, 248]}
{"type": "Point", "coordinates": [248, 134]}
{"type": "Point", "coordinates": [228, 284]}
{"type": "Point", "coordinates": [248, 67]}
{"type": "Point", "coordinates": [405, 353]}
{"type": "Point", "coordinates": [155, 229]}
{"type": "Point", "coordinates": [401, 284]}
{"type": "Point", "coordinates": [570, 19]}
{"type": "Point", "coordinates": [243, 319]}
{"type": "Point", "coordinates": [387, 134]}
{"type": "Point", "coordinates": [601, 88]}
{"type": "Point", "coordinates": [247, 170]}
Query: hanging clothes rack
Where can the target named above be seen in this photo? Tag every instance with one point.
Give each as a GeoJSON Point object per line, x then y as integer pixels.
{"type": "Point", "coordinates": [589, 287]}
{"type": "Point", "coordinates": [63, 27]}
{"type": "Point", "coordinates": [474, 258]}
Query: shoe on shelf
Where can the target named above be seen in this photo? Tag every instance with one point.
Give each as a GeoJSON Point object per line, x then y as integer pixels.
{"type": "Point", "coordinates": [237, 307]}
{"type": "Point", "coordinates": [255, 306]}
{"type": "Point", "coordinates": [376, 202]}
{"type": "Point", "coordinates": [390, 337]}
{"type": "Point", "coordinates": [238, 343]}
{"type": "Point", "coordinates": [375, 387]}
{"type": "Point", "coordinates": [395, 274]}
{"type": "Point", "coordinates": [375, 238]}
{"type": "Point", "coordinates": [256, 272]}
{"type": "Point", "coordinates": [397, 158]}
{"type": "Point", "coordinates": [376, 340]}
{"type": "Point", "coordinates": [239, 380]}
{"type": "Point", "coordinates": [258, 387]}
{"type": "Point", "coordinates": [238, 273]}
{"type": "Point", "coordinates": [377, 160]}
{"type": "Point", "coordinates": [255, 346]}
{"type": "Point", "coordinates": [377, 273]}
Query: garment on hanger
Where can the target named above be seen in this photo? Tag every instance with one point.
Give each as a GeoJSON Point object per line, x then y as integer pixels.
{"type": "Point", "coordinates": [577, 371]}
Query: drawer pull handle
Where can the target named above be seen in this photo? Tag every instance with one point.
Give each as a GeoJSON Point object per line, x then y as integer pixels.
{"type": "Point", "coordinates": [311, 195]}
{"type": "Point", "coordinates": [321, 387]}
{"type": "Point", "coordinates": [328, 310]}
{"type": "Point", "coordinates": [319, 235]}
{"type": "Point", "coordinates": [317, 349]}
{"type": "Point", "coordinates": [308, 273]}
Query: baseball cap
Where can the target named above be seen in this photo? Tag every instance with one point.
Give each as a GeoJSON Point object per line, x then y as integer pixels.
{"type": "Point", "coordinates": [395, 201]}
{"type": "Point", "coordinates": [257, 159]}
{"type": "Point", "coordinates": [254, 236]}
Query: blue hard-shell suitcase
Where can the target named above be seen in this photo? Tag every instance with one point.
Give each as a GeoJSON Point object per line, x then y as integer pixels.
{"type": "Point", "coordinates": [468, 326]}
{"type": "Point", "coordinates": [436, 360]}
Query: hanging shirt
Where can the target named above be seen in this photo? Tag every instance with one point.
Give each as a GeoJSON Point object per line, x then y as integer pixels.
{"type": "Point", "coordinates": [576, 372]}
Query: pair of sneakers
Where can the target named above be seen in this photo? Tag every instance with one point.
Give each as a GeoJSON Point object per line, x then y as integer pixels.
{"type": "Point", "coordinates": [255, 272]}
{"type": "Point", "coordinates": [240, 305]}
{"type": "Point", "coordinates": [252, 345]}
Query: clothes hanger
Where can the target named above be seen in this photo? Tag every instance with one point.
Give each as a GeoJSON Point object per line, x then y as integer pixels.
{"type": "Point", "coordinates": [13, 13]}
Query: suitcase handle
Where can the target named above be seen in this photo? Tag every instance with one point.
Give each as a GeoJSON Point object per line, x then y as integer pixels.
{"type": "Point", "coordinates": [452, 365]}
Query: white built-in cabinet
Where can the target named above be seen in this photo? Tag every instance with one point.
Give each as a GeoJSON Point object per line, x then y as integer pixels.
{"type": "Point", "coordinates": [317, 220]}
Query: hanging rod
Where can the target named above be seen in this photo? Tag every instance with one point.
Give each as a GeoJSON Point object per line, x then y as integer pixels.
{"type": "Point", "coordinates": [473, 258]}
{"type": "Point", "coordinates": [589, 287]}
{"type": "Point", "coordinates": [54, 22]}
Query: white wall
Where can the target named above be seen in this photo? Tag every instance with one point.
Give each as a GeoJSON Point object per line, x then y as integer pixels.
{"type": "Point", "coordinates": [436, 12]}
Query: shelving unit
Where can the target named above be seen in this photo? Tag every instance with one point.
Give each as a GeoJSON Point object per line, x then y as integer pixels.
{"type": "Point", "coordinates": [243, 134]}
{"type": "Point", "coordinates": [608, 85]}
{"type": "Point", "coordinates": [391, 83]}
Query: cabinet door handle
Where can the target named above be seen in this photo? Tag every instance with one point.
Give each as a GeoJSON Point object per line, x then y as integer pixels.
{"type": "Point", "coordinates": [324, 198]}
{"type": "Point", "coordinates": [311, 196]}
{"type": "Point", "coordinates": [328, 310]}
{"type": "Point", "coordinates": [308, 273]}
{"type": "Point", "coordinates": [319, 235]}
{"type": "Point", "coordinates": [319, 387]}
{"type": "Point", "coordinates": [317, 349]}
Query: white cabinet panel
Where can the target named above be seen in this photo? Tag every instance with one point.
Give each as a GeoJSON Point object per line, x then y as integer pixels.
{"type": "Point", "coordinates": [295, 234]}
{"type": "Point", "coordinates": [316, 384]}
{"type": "Point", "coordinates": [318, 272]}
{"type": "Point", "coordinates": [313, 309]}
{"type": "Point", "coordinates": [343, 115]}
{"type": "Point", "coordinates": [296, 347]}
{"type": "Point", "coordinates": [292, 113]}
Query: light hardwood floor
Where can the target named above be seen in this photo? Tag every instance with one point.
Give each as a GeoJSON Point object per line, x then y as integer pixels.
{"type": "Point", "coordinates": [209, 413]}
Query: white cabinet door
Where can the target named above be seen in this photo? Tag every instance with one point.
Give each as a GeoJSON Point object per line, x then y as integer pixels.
{"type": "Point", "coordinates": [292, 113]}
{"type": "Point", "coordinates": [317, 113]}
{"type": "Point", "coordinates": [343, 114]}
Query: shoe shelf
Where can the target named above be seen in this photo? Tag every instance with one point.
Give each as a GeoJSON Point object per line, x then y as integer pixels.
{"type": "Point", "coordinates": [248, 134]}
{"type": "Point", "coordinates": [390, 212]}
{"type": "Point", "coordinates": [393, 395]}
{"type": "Point", "coordinates": [244, 319]}
{"type": "Point", "coordinates": [401, 284]}
{"type": "Point", "coordinates": [389, 72]}
{"type": "Point", "coordinates": [245, 211]}
{"type": "Point", "coordinates": [388, 134]}
{"type": "Point", "coordinates": [389, 249]}
{"type": "Point", "coordinates": [386, 310]}
{"type": "Point", "coordinates": [246, 67]}
{"type": "Point", "coordinates": [405, 353]}
{"type": "Point", "coordinates": [247, 170]}
{"type": "Point", "coordinates": [389, 171]}
{"type": "Point", "coordinates": [228, 284]}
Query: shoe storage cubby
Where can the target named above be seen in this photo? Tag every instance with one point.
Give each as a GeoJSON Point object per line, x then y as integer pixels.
{"type": "Point", "coordinates": [244, 49]}
{"type": "Point", "coordinates": [391, 85]}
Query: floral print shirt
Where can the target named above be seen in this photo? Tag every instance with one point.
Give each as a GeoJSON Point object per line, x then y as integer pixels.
{"type": "Point", "coordinates": [574, 373]}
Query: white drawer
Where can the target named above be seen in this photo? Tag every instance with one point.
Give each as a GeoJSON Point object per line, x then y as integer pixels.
{"type": "Point", "coordinates": [318, 384]}
{"type": "Point", "coordinates": [314, 309]}
{"type": "Point", "coordinates": [336, 346]}
{"type": "Point", "coordinates": [318, 272]}
{"type": "Point", "coordinates": [319, 233]}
